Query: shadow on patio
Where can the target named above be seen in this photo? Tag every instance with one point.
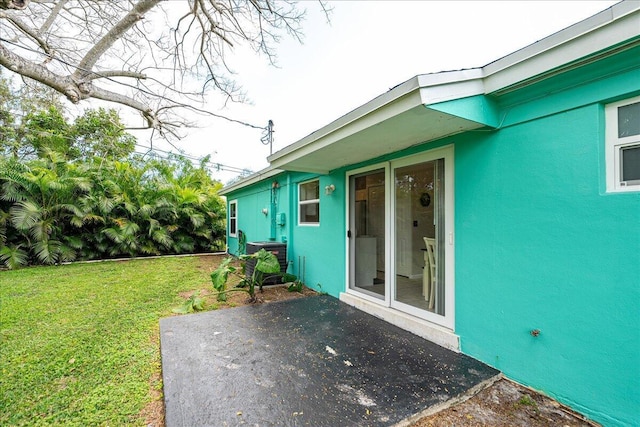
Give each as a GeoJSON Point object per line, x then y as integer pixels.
{"type": "Point", "coordinates": [310, 361]}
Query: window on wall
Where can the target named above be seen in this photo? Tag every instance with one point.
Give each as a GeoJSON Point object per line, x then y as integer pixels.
{"type": "Point", "coordinates": [623, 145]}
{"type": "Point", "coordinates": [233, 218]}
{"type": "Point", "coordinates": [309, 203]}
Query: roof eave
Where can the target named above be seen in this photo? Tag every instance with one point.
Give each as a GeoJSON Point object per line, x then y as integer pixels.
{"type": "Point", "coordinates": [546, 57]}
{"type": "Point", "coordinates": [265, 173]}
{"type": "Point", "coordinates": [551, 54]}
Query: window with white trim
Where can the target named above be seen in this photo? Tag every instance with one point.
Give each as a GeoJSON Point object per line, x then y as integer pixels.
{"type": "Point", "coordinates": [233, 218]}
{"type": "Point", "coordinates": [623, 145]}
{"type": "Point", "coordinates": [309, 203]}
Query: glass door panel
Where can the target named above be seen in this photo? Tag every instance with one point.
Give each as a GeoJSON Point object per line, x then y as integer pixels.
{"type": "Point", "coordinates": [367, 233]}
{"type": "Point", "coordinates": [418, 222]}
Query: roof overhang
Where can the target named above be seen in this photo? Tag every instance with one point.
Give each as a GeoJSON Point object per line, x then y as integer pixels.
{"type": "Point", "coordinates": [251, 179]}
{"type": "Point", "coordinates": [432, 106]}
{"type": "Point", "coordinates": [571, 47]}
{"type": "Point", "coordinates": [407, 115]}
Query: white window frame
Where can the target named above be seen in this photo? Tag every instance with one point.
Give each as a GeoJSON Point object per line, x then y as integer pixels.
{"type": "Point", "coordinates": [613, 146]}
{"type": "Point", "coordinates": [308, 202]}
{"type": "Point", "coordinates": [233, 233]}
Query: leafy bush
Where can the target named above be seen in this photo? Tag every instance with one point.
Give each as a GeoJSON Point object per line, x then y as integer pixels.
{"type": "Point", "coordinates": [53, 211]}
{"type": "Point", "coordinates": [266, 265]}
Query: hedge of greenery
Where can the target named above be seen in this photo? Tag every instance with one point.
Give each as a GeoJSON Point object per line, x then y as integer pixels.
{"type": "Point", "coordinates": [54, 210]}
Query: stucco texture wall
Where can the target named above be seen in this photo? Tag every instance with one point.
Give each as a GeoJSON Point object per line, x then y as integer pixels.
{"type": "Point", "coordinates": [320, 249]}
{"type": "Point", "coordinates": [315, 253]}
{"type": "Point", "coordinates": [539, 246]}
{"type": "Point", "coordinates": [255, 225]}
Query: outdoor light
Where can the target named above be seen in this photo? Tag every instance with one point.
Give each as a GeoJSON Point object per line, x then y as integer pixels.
{"type": "Point", "coordinates": [265, 211]}
{"type": "Point", "coordinates": [329, 189]}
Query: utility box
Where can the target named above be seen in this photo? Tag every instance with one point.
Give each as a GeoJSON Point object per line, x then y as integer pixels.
{"type": "Point", "coordinates": [281, 219]}
{"type": "Point", "coordinates": [278, 249]}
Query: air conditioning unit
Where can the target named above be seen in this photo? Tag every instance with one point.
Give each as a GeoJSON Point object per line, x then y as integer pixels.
{"type": "Point", "coordinates": [276, 248]}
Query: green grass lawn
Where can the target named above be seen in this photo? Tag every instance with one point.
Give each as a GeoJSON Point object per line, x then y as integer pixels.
{"type": "Point", "coordinates": [79, 343]}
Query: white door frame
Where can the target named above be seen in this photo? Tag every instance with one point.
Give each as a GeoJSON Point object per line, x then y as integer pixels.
{"type": "Point", "coordinates": [447, 153]}
{"type": "Point", "coordinates": [370, 296]}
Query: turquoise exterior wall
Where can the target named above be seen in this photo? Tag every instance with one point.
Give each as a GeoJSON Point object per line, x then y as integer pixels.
{"type": "Point", "coordinates": [251, 221]}
{"type": "Point", "coordinates": [322, 248]}
{"type": "Point", "coordinates": [539, 243]}
{"type": "Point", "coordinates": [315, 253]}
{"type": "Point", "coordinates": [540, 246]}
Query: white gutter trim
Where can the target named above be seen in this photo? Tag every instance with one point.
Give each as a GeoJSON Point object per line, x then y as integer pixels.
{"type": "Point", "coordinates": [265, 173]}
{"type": "Point", "coordinates": [600, 32]}
{"type": "Point", "coordinates": [562, 37]}
{"type": "Point", "coordinates": [553, 52]}
{"type": "Point", "coordinates": [417, 83]}
{"type": "Point", "coordinates": [352, 116]}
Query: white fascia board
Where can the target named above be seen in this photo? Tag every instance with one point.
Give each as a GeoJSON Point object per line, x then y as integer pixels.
{"type": "Point", "coordinates": [367, 116]}
{"type": "Point", "coordinates": [451, 91]}
{"type": "Point", "coordinates": [420, 90]}
{"type": "Point", "coordinates": [251, 179]}
{"type": "Point", "coordinates": [608, 28]}
{"type": "Point", "coordinates": [351, 117]}
{"type": "Point", "coordinates": [446, 78]}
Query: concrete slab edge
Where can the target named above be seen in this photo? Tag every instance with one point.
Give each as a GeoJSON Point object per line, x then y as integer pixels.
{"type": "Point", "coordinates": [451, 402]}
{"type": "Point", "coordinates": [422, 328]}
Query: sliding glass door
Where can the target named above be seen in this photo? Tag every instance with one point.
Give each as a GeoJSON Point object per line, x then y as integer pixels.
{"type": "Point", "coordinates": [367, 235]}
{"type": "Point", "coordinates": [401, 235]}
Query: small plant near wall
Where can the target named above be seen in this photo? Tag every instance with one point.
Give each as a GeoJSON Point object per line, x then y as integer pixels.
{"type": "Point", "coordinates": [294, 284]}
{"type": "Point", "coordinates": [192, 304]}
{"type": "Point", "coordinates": [266, 266]}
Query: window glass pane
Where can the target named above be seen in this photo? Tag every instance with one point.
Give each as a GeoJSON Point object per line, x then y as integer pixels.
{"type": "Point", "coordinates": [629, 120]}
{"type": "Point", "coordinates": [310, 191]}
{"type": "Point", "coordinates": [232, 210]}
{"type": "Point", "coordinates": [367, 226]}
{"type": "Point", "coordinates": [630, 163]}
{"type": "Point", "coordinates": [232, 226]}
{"type": "Point", "coordinates": [310, 213]}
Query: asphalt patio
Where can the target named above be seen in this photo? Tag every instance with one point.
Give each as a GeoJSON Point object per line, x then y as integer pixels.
{"type": "Point", "coordinates": [310, 361]}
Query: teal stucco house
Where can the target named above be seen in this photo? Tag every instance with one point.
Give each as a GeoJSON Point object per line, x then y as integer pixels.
{"type": "Point", "coordinates": [493, 210]}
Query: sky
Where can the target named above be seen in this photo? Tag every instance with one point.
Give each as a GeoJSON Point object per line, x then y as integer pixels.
{"type": "Point", "coordinates": [365, 49]}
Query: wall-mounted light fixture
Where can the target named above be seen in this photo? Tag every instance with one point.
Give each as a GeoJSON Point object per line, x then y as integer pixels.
{"type": "Point", "coordinates": [329, 189]}
{"type": "Point", "coordinates": [265, 211]}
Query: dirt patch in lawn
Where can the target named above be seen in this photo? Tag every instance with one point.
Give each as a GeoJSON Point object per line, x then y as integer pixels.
{"type": "Point", "coordinates": [505, 404]}
{"type": "Point", "coordinates": [501, 404]}
{"type": "Point", "coordinates": [239, 297]}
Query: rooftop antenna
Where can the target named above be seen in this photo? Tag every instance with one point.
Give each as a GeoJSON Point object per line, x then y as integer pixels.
{"type": "Point", "coordinates": [267, 137]}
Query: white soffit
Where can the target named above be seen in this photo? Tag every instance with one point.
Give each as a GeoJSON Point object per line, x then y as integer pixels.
{"type": "Point", "coordinates": [393, 121]}
{"type": "Point", "coordinates": [400, 118]}
{"type": "Point", "coordinates": [404, 130]}
{"type": "Point", "coordinates": [251, 179]}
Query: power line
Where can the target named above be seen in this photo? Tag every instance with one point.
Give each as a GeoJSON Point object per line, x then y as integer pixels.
{"type": "Point", "coordinates": [220, 167]}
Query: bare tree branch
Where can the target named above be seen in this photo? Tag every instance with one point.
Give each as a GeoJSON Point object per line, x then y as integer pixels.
{"type": "Point", "coordinates": [163, 66]}
{"type": "Point", "coordinates": [26, 68]}
{"type": "Point", "coordinates": [26, 30]}
{"type": "Point", "coordinates": [117, 73]}
{"type": "Point", "coordinates": [116, 32]}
